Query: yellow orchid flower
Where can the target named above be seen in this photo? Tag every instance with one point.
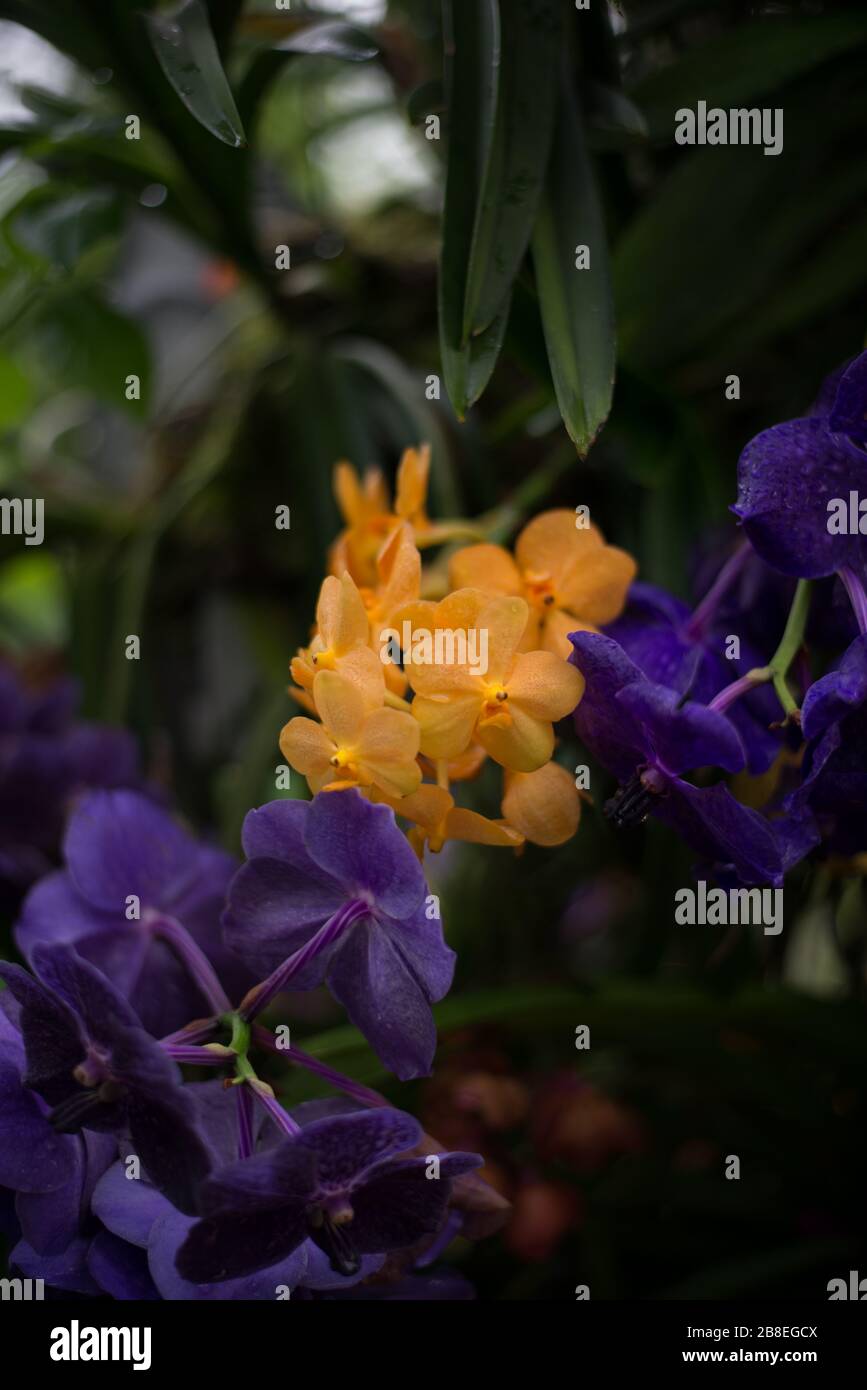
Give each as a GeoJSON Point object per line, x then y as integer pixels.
{"type": "Point", "coordinates": [545, 805]}
{"type": "Point", "coordinates": [568, 575]}
{"type": "Point", "coordinates": [370, 520]}
{"type": "Point", "coordinates": [342, 631]}
{"type": "Point", "coordinates": [358, 743]}
{"type": "Point", "coordinates": [437, 819]}
{"type": "Point", "coordinates": [508, 706]}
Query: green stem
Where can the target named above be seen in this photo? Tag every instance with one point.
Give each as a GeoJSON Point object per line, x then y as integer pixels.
{"type": "Point", "coordinates": [790, 644]}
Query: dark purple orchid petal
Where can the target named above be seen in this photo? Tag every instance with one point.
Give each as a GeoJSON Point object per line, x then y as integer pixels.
{"type": "Point", "coordinates": [120, 1269]}
{"type": "Point", "coordinates": [276, 831]}
{"type": "Point", "coordinates": [170, 1233]}
{"type": "Point", "coordinates": [119, 843]}
{"type": "Point", "coordinates": [419, 941]}
{"type": "Point", "coordinates": [32, 1157]}
{"type": "Point", "coordinates": [359, 843]}
{"type": "Point", "coordinates": [787, 476]}
{"type": "Point", "coordinates": [52, 1038]}
{"type": "Point", "coordinates": [848, 413]}
{"type": "Point", "coordinates": [85, 990]}
{"type": "Point", "coordinates": [274, 909]}
{"type": "Point", "coordinates": [345, 1147]}
{"type": "Point", "coordinates": [50, 1221]}
{"type": "Point", "coordinates": [682, 736]}
{"type": "Point", "coordinates": [721, 830]}
{"type": "Point", "coordinates": [384, 999]}
{"type": "Point", "coordinates": [399, 1205]}
{"type": "Point", "coordinates": [267, 1181]}
{"type": "Point", "coordinates": [839, 693]}
{"type": "Point", "coordinates": [174, 1154]}
{"type": "Point", "coordinates": [237, 1243]}
{"type": "Point", "coordinates": [128, 1206]}
{"type": "Point", "coordinates": [616, 739]}
{"type": "Point", "coordinates": [67, 1271]}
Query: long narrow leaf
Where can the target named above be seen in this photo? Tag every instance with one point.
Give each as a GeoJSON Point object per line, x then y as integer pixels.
{"type": "Point", "coordinates": [576, 304]}
{"type": "Point", "coordinates": [472, 36]}
{"type": "Point", "coordinates": [515, 171]}
{"type": "Point", "coordinates": [187, 53]}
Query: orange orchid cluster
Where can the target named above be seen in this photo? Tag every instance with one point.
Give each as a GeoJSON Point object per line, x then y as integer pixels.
{"type": "Point", "coordinates": [405, 730]}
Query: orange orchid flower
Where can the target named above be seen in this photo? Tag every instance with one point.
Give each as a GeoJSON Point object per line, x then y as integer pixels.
{"type": "Point", "coordinates": [437, 819]}
{"type": "Point", "coordinates": [509, 706]}
{"type": "Point", "coordinates": [568, 575]}
{"type": "Point", "coordinates": [544, 805]}
{"type": "Point", "coordinates": [342, 631]}
{"type": "Point", "coordinates": [359, 742]}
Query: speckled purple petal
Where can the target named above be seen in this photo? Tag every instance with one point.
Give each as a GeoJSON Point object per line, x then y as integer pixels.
{"type": "Point", "coordinates": [345, 1147]}
{"type": "Point", "coordinates": [787, 476]}
{"type": "Point", "coordinates": [399, 1206]}
{"type": "Point", "coordinates": [170, 1233]}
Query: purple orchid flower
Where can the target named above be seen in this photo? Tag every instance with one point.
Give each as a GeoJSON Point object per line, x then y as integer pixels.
{"type": "Point", "coordinates": [89, 1058]}
{"type": "Point", "coordinates": [332, 891]}
{"type": "Point", "coordinates": [46, 759]}
{"type": "Point", "coordinates": [340, 1182]}
{"type": "Point", "coordinates": [136, 888]}
{"type": "Point", "coordinates": [795, 478]}
{"type": "Point", "coordinates": [685, 651]}
{"type": "Point", "coordinates": [648, 736]}
{"type": "Point", "coordinates": [834, 772]}
{"type": "Point", "coordinates": [141, 1217]}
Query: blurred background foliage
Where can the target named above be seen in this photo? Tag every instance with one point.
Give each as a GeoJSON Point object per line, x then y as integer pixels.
{"type": "Point", "coordinates": [305, 128]}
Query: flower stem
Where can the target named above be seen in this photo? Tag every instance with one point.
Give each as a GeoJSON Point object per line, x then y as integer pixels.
{"type": "Point", "coordinates": [334, 1078]}
{"type": "Point", "coordinates": [211, 1056]}
{"type": "Point", "coordinates": [244, 1103]}
{"type": "Point", "coordinates": [193, 958]}
{"type": "Point", "coordinates": [261, 995]}
{"type": "Point", "coordinates": [778, 666]}
{"type": "Point", "coordinates": [282, 1120]}
{"type": "Point", "coordinates": [723, 582]}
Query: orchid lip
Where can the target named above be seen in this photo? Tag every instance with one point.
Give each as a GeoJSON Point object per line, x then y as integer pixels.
{"type": "Point", "coordinates": [631, 804]}
{"type": "Point", "coordinates": [333, 1235]}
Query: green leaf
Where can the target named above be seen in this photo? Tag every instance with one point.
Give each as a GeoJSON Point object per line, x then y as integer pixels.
{"type": "Point", "coordinates": [33, 611]}
{"type": "Point", "coordinates": [576, 305]}
{"type": "Point", "coordinates": [58, 226]}
{"type": "Point", "coordinates": [744, 63]}
{"type": "Point", "coordinates": [15, 393]}
{"type": "Point", "coordinates": [515, 169]}
{"type": "Point", "coordinates": [691, 265]}
{"type": "Point", "coordinates": [330, 39]}
{"type": "Point", "coordinates": [88, 344]}
{"type": "Point", "coordinates": [472, 41]}
{"type": "Point", "coordinates": [187, 53]}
